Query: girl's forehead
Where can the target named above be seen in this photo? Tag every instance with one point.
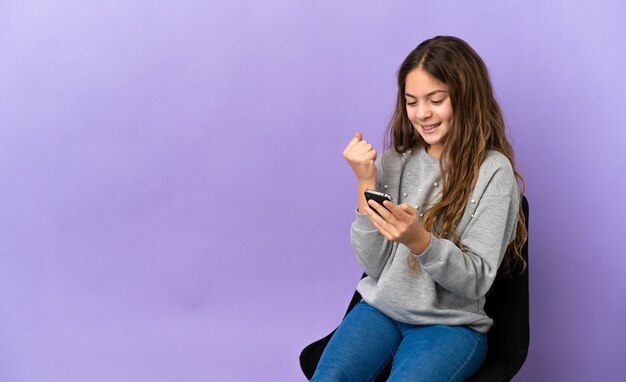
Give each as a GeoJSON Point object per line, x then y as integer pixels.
{"type": "Point", "coordinates": [420, 82]}
{"type": "Point", "coordinates": [420, 77]}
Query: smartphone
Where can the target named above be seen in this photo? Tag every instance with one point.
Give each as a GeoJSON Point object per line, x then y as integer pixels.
{"type": "Point", "coordinates": [378, 196]}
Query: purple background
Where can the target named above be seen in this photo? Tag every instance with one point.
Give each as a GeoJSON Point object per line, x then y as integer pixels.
{"type": "Point", "coordinates": [174, 205]}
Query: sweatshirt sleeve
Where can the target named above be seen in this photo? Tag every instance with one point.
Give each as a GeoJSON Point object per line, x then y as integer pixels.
{"type": "Point", "coordinates": [471, 273]}
{"type": "Point", "coordinates": [372, 249]}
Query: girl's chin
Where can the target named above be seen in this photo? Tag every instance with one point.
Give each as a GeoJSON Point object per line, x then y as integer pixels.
{"type": "Point", "coordinates": [431, 140]}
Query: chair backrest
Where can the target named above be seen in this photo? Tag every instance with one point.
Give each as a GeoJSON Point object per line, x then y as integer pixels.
{"type": "Point", "coordinates": [507, 303]}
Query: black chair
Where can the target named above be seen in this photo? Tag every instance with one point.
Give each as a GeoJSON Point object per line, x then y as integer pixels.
{"type": "Point", "coordinates": [508, 338]}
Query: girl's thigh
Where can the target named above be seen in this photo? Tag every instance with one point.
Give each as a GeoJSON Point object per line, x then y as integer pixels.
{"type": "Point", "coordinates": [438, 353]}
{"type": "Point", "coordinates": [362, 346]}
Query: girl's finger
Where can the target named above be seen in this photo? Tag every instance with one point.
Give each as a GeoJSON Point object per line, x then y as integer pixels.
{"type": "Point", "coordinates": [351, 144]}
{"type": "Point", "coordinates": [382, 210]}
{"type": "Point", "coordinates": [396, 211]}
{"type": "Point", "coordinates": [411, 210]}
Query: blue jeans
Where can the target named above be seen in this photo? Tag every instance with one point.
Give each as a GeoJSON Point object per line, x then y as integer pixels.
{"type": "Point", "coordinates": [367, 340]}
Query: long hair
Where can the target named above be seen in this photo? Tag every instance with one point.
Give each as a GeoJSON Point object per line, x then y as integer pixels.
{"type": "Point", "coordinates": [477, 126]}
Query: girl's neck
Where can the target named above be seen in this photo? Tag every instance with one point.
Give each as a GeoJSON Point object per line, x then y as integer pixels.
{"type": "Point", "coordinates": [434, 151]}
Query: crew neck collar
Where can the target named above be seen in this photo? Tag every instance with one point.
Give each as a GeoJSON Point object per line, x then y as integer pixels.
{"type": "Point", "coordinates": [426, 157]}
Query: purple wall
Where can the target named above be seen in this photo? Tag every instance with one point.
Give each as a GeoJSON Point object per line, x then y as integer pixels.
{"type": "Point", "coordinates": [174, 205]}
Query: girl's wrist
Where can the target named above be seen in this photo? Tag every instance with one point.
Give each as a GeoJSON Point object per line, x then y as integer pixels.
{"type": "Point", "coordinates": [366, 183]}
{"type": "Point", "coordinates": [421, 243]}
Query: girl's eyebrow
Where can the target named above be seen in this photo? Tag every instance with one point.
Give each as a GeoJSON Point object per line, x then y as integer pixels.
{"type": "Point", "coordinates": [427, 95]}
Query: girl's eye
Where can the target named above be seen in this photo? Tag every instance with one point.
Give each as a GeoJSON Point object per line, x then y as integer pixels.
{"type": "Point", "coordinates": [411, 103]}
{"type": "Point", "coordinates": [437, 102]}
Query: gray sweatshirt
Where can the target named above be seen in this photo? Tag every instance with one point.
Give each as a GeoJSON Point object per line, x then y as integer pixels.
{"type": "Point", "coordinates": [450, 286]}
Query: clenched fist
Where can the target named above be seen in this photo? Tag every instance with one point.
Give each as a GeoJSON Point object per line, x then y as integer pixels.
{"type": "Point", "coordinates": [361, 156]}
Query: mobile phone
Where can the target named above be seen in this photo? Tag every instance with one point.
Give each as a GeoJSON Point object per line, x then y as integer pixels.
{"type": "Point", "coordinates": [378, 196]}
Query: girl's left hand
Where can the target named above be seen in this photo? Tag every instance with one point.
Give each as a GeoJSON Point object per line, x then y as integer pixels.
{"type": "Point", "coordinates": [399, 223]}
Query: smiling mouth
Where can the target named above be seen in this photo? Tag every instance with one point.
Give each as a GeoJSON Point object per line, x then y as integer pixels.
{"type": "Point", "coordinates": [428, 128]}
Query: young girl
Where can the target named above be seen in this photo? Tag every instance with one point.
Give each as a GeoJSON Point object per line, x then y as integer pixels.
{"type": "Point", "coordinates": [431, 255]}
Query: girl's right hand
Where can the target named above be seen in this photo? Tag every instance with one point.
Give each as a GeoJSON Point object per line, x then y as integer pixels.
{"type": "Point", "coordinates": [361, 156]}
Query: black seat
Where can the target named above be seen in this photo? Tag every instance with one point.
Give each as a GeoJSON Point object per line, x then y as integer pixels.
{"type": "Point", "coordinates": [507, 304]}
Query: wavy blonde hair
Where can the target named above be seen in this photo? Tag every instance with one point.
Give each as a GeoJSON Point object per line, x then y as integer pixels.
{"type": "Point", "coordinates": [477, 126]}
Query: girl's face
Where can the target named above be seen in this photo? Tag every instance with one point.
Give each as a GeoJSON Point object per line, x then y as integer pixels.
{"type": "Point", "coordinates": [429, 109]}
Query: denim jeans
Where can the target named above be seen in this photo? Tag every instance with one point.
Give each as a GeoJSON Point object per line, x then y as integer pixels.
{"type": "Point", "coordinates": [367, 340]}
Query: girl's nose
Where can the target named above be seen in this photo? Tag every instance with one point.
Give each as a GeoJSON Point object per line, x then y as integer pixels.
{"type": "Point", "coordinates": [422, 112]}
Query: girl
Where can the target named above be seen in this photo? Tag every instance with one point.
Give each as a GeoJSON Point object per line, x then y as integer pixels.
{"type": "Point", "coordinates": [432, 255]}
